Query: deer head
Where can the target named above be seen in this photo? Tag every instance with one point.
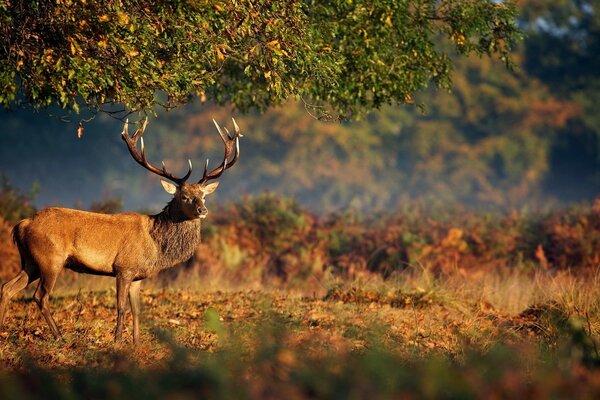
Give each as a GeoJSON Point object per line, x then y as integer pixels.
{"type": "Point", "coordinates": [188, 197]}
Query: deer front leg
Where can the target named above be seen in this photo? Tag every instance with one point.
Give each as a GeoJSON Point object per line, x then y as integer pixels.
{"type": "Point", "coordinates": [123, 284]}
{"type": "Point", "coordinates": [134, 301]}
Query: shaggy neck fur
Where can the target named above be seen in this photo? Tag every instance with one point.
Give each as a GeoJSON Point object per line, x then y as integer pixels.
{"type": "Point", "coordinates": [176, 236]}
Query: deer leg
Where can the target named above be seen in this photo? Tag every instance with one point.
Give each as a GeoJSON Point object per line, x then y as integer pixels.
{"type": "Point", "coordinates": [12, 287]}
{"type": "Point", "coordinates": [134, 301]}
{"type": "Point", "coordinates": [41, 297]}
{"type": "Point", "coordinates": [123, 284]}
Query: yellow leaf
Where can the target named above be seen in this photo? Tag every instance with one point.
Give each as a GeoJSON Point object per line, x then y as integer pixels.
{"type": "Point", "coordinates": [220, 56]}
{"type": "Point", "coordinates": [123, 18]}
{"type": "Point", "coordinates": [274, 44]}
{"type": "Point", "coordinates": [388, 21]}
{"type": "Point", "coordinates": [104, 18]}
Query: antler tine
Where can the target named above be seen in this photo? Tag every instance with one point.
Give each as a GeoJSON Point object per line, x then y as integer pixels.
{"type": "Point", "coordinates": [126, 128]}
{"type": "Point", "coordinates": [131, 141]}
{"type": "Point", "coordinates": [237, 149]}
{"type": "Point", "coordinates": [231, 142]}
{"type": "Point", "coordinates": [140, 131]}
{"type": "Point", "coordinates": [186, 176]}
{"type": "Point", "coordinates": [237, 135]}
{"type": "Point", "coordinates": [237, 128]}
{"type": "Point", "coordinates": [205, 172]}
{"type": "Point", "coordinates": [143, 149]}
{"type": "Point", "coordinates": [220, 132]}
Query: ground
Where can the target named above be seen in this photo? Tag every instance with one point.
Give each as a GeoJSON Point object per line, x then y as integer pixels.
{"type": "Point", "coordinates": [543, 324]}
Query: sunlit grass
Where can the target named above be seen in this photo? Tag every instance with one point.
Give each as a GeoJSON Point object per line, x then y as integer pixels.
{"type": "Point", "coordinates": [422, 333]}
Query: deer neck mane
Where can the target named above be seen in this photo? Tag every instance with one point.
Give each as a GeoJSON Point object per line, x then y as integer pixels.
{"type": "Point", "coordinates": [175, 234]}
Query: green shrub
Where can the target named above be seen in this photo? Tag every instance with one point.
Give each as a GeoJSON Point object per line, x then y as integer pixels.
{"type": "Point", "coordinates": [276, 221]}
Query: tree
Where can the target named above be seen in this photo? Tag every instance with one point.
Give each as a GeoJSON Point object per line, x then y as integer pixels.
{"type": "Point", "coordinates": [350, 55]}
{"type": "Point", "coordinates": [563, 42]}
{"type": "Point", "coordinates": [562, 50]}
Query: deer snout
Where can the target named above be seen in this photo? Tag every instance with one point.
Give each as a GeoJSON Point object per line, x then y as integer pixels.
{"type": "Point", "coordinates": [202, 211]}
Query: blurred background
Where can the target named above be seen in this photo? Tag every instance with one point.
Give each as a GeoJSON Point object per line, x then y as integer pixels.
{"type": "Point", "coordinates": [502, 139]}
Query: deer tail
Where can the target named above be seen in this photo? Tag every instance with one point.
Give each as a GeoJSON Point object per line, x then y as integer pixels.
{"type": "Point", "coordinates": [17, 232]}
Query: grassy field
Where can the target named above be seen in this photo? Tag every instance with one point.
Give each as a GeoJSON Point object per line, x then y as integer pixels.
{"type": "Point", "coordinates": [502, 334]}
{"type": "Point", "coordinates": [280, 303]}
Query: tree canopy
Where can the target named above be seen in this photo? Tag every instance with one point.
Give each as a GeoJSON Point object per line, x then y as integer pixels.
{"type": "Point", "coordinates": [351, 55]}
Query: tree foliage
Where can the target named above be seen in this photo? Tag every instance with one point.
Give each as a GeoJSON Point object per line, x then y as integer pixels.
{"type": "Point", "coordinates": [350, 55]}
{"type": "Point", "coordinates": [562, 50]}
{"type": "Point", "coordinates": [570, 61]}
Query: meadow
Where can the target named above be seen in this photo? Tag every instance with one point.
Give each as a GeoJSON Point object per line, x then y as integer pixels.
{"type": "Point", "coordinates": [477, 278]}
{"type": "Point", "coordinates": [280, 303]}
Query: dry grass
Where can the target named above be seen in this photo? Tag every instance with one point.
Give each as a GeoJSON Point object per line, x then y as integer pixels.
{"type": "Point", "coordinates": [473, 335]}
{"type": "Point", "coordinates": [417, 312]}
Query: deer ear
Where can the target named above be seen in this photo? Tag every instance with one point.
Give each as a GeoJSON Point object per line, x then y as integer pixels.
{"type": "Point", "coordinates": [208, 189]}
{"type": "Point", "coordinates": [168, 186]}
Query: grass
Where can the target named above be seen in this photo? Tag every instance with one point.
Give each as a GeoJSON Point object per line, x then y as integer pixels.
{"type": "Point", "coordinates": [421, 334]}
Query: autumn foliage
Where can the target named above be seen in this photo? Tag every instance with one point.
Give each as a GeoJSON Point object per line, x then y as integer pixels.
{"type": "Point", "coordinates": [271, 239]}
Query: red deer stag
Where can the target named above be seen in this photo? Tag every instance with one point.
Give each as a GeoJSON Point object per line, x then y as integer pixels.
{"type": "Point", "coordinates": [128, 246]}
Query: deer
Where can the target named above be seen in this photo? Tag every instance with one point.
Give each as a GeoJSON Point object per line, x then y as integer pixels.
{"type": "Point", "coordinates": [127, 246]}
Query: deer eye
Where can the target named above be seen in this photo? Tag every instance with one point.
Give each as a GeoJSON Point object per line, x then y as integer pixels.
{"type": "Point", "coordinates": [185, 198]}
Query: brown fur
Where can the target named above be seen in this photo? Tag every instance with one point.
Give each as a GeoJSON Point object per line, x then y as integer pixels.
{"type": "Point", "coordinates": [9, 255]}
{"type": "Point", "coordinates": [176, 241]}
{"type": "Point", "coordinates": [128, 246]}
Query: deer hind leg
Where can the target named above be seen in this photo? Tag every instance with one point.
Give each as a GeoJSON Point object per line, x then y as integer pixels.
{"type": "Point", "coordinates": [14, 286]}
{"type": "Point", "coordinates": [41, 297]}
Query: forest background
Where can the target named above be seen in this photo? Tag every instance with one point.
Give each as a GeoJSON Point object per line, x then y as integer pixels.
{"type": "Point", "coordinates": [501, 139]}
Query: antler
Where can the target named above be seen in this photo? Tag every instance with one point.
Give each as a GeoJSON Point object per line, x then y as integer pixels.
{"type": "Point", "coordinates": [141, 159]}
{"type": "Point", "coordinates": [231, 142]}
